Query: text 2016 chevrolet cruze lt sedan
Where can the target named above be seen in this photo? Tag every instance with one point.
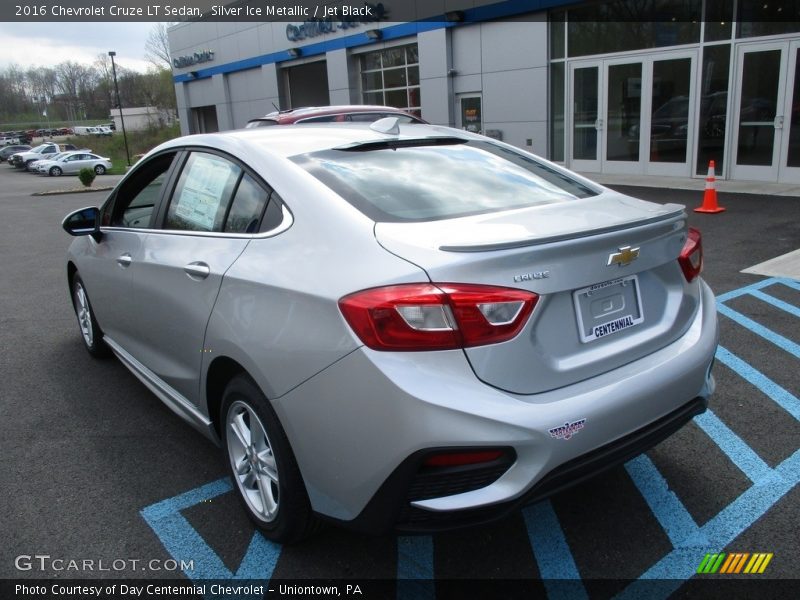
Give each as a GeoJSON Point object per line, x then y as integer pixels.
{"type": "Point", "coordinates": [403, 327]}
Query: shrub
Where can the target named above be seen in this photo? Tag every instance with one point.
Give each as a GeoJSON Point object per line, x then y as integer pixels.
{"type": "Point", "coordinates": [87, 176]}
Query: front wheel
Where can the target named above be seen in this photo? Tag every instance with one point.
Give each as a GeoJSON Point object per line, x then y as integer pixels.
{"type": "Point", "coordinates": [262, 464]}
{"type": "Point", "coordinates": [55, 171]}
{"type": "Point", "coordinates": [90, 331]}
{"type": "Point", "coordinates": [99, 169]}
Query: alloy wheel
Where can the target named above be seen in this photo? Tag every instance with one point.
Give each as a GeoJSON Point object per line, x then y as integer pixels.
{"type": "Point", "coordinates": [84, 313]}
{"type": "Point", "coordinates": [252, 461]}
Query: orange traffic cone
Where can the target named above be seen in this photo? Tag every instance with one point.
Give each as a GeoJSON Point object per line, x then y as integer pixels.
{"type": "Point", "coordinates": [710, 196]}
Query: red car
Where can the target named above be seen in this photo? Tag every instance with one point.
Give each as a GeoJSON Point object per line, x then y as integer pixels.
{"type": "Point", "coordinates": [332, 114]}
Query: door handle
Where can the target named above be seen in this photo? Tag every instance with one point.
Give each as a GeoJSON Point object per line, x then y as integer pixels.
{"type": "Point", "coordinates": [124, 260]}
{"type": "Point", "coordinates": [197, 270]}
{"type": "Point", "coordinates": [598, 124]}
{"type": "Point", "coordinates": [778, 122]}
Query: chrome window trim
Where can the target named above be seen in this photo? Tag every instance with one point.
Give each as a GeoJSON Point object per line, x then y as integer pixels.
{"type": "Point", "coordinates": [286, 223]}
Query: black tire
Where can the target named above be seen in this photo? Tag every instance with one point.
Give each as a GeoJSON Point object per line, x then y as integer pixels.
{"type": "Point", "coordinates": [100, 169]}
{"type": "Point", "coordinates": [55, 171]}
{"type": "Point", "coordinates": [291, 518]}
{"type": "Point", "coordinates": [91, 334]}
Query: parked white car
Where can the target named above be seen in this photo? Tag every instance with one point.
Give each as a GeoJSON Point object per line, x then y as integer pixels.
{"type": "Point", "coordinates": [35, 166]}
{"type": "Point", "coordinates": [73, 162]}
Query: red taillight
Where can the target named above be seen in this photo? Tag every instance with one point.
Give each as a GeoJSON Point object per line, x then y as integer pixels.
{"type": "Point", "coordinates": [424, 316]}
{"type": "Point", "coordinates": [691, 258]}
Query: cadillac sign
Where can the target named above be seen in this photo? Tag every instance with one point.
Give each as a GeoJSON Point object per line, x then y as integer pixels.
{"type": "Point", "coordinates": [337, 19]}
{"type": "Point", "coordinates": [201, 56]}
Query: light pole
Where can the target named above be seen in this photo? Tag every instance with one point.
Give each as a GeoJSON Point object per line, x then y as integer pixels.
{"type": "Point", "coordinates": [112, 54]}
{"type": "Point", "coordinates": [46, 114]}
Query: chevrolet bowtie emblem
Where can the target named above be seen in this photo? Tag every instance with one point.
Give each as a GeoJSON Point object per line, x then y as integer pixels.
{"type": "Point", "coordinates": [624, 257]}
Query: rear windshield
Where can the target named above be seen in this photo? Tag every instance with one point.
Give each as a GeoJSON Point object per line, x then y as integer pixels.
{"type": "Point", "coordinates": [428, 181]}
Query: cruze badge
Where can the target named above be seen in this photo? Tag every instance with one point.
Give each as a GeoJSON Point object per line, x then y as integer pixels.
{"type": "Point", "coordinates": [532, 276]}
{"type": "Point", "coordinates": [567, 430]}
{"type": "Point", "coordinates": [625, 256]}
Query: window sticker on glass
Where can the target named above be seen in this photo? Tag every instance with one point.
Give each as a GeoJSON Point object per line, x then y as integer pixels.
{"type": "Point", "coordinates": [201, 191]}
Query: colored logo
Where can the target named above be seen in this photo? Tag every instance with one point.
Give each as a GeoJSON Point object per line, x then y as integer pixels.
{"type": "Point", "coordinates": [567, 430]}
{"type": "Point", "coordinates": [735, 563]}
{"type": "Point", "coordinates": [624, 257]}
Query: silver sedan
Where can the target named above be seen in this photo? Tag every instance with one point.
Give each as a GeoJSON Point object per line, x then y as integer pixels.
{"type": "Point", "coordinates": [395, 326]}
{"type": "Point", "coordinates": [72, 162]}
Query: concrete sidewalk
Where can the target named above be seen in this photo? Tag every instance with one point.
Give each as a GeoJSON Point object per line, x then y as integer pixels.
{"type": "Point", "coordinates": [687, 183]}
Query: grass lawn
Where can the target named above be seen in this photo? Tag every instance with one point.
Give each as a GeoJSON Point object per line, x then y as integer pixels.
{"type": "Point", "coordinates": [113, 147]}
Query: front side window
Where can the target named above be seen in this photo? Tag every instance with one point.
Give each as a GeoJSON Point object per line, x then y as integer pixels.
{"type": "Point", "coordinates": [134, 201]}
{"type": "Point", "coordinates": [429, 179]}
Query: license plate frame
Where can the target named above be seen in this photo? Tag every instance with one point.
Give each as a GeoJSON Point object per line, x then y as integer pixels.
{"type": "Point", "coordinates": [607, 308]}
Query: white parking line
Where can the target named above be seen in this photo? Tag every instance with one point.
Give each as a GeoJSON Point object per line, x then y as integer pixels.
{"type": "Point", "coordinates": [787, 265]}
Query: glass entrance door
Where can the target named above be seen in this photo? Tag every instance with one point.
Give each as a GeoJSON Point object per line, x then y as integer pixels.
{"type": "Point", "coordinates": [586, 126]}
{"type": "Point", "coordinates": [632, 115]}
{"type": "Point", "coordinates": [766, 133]}
{"type": "Point", "coordinates": [622, 151]}
{"type": "Point", "coordinates": [671, 117]}
{"type": "Point", "coordinates": [759, 110]}
{"type": "Point", "coordinates": [790, 148]}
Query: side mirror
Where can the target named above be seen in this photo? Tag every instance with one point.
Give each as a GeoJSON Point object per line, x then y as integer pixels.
{"type": "Point", "coordinates": [85, 221]}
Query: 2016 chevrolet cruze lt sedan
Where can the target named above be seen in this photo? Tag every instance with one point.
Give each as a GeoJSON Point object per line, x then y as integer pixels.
{"type": "Point", "coordinates": [408, 327]}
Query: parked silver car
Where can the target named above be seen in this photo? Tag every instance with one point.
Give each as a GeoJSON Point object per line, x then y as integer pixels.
{"type": "Point", "coordinates": [70, 163]}
{"type": "Point", "coordinates": [408, 327]}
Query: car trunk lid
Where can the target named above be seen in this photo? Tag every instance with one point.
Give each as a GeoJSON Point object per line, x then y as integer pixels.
{"type": "Point", "coordinates": [605, 268]}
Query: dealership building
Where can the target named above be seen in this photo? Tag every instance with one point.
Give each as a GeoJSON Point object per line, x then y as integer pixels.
{"type": "Point", "coordinates": [624, 86]}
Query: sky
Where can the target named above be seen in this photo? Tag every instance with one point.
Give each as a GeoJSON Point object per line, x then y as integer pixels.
{"type": "Point", "coordinates": [47, 44]}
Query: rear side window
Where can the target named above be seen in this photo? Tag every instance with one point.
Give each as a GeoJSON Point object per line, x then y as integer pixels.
{"type": "Point", "coordinates": [247, 207]}
{"type": "Point", "coordinates": [215, 194]}
{"type": "Point", "coordinates": [421, 180]}
{"type": "Point", "coordinates": [204, 190]}
{"type": "Point", "coordinates": [260, 123]}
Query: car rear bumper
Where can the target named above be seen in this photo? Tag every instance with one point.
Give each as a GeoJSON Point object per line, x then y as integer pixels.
{"type": "Point", "coordinates": [393, 505]}
{"type": "Point", "coordinates": [361, 429]}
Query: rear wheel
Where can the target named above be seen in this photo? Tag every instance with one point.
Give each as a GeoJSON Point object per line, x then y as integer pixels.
{"type": "Point", "coordinates": [99, 169]}
{"type": "Point", "coordinates": [55, 171]}
{"type": "Point", "coordinates": [91, 333]}
{"type": "Point", "coordinates": [262, 464]}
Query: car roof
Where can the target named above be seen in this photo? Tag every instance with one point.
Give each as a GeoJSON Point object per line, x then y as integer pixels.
{"type": "Point", "coordinates": [293, 115]}
{"type": "Point", "coordinates": [292, 140]}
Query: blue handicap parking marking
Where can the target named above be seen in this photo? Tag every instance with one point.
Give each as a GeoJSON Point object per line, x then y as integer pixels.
{"type": "Point", "coordinates": [782, 397]}
{"type": "Point", "coordinates": [552, 553]}
{"type": "Point", "coordinates": [690, 541]}
{"type": "Point", "coordinates": [183, 542]}
{"type": "Point", "coordinates": [415, 568]}
{"type": "Point", "coordinates": [557, 567]}
{"type": "Point", "coordinates": [665, 505]}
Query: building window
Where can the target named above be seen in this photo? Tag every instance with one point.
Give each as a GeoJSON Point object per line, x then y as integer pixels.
{"type": "Point", "coordinates": [620, 26]}
{"type": "Point", "coordinates": [391, 77]}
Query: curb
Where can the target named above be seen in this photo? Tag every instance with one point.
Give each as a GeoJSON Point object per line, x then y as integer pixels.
{"type": "Point", "coordinates": [73, 191]}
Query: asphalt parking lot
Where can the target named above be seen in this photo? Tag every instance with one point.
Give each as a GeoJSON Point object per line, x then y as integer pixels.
{"type": "Point", "coordinates": [96, 468]}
